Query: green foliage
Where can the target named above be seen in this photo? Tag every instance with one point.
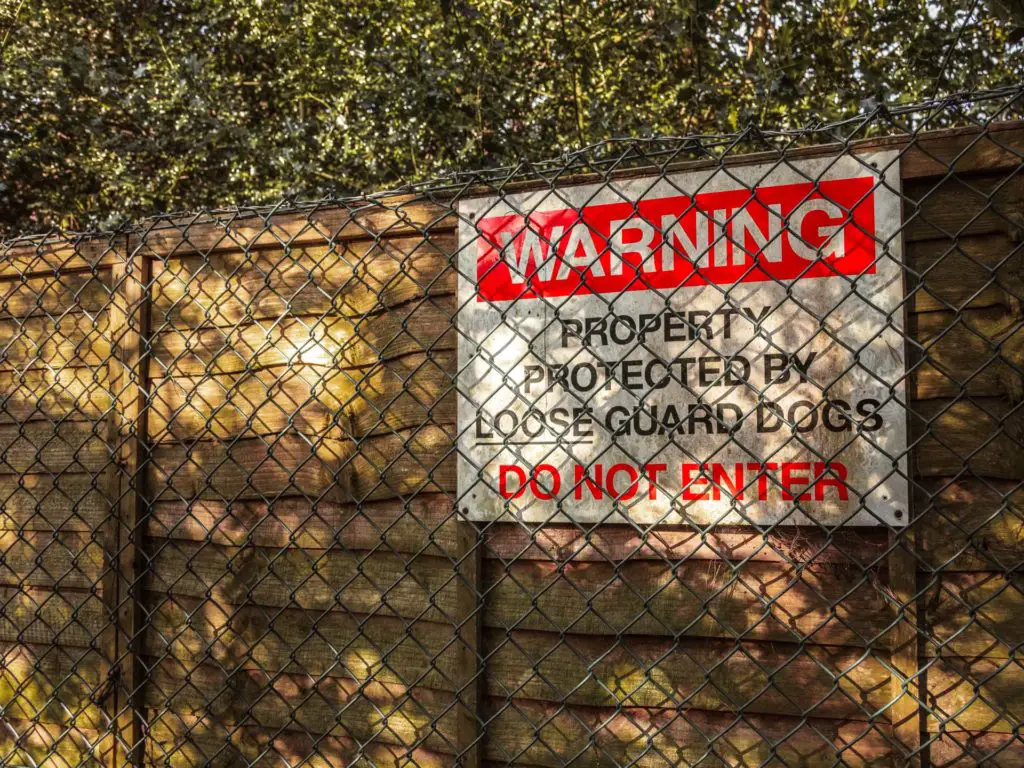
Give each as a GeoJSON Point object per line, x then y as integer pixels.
{"type": "Point", "coordinates": [111, 108]}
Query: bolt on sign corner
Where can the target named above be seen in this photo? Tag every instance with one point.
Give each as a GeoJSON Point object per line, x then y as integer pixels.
{"type": "Point", "coordinates": [719, 346]}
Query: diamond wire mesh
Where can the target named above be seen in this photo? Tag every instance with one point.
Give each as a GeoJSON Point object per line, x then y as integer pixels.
{"type": "Point", "coordinates": [234, 536]}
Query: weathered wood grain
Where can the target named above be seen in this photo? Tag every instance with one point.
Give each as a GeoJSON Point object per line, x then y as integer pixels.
{"type": "Point", "coordinates": [332, 340]}
{"type": "Point", "coordinates": [45, 502]}
{"type": "Point", "coordinates": [955, 207]}
{"type": "Point", "coordinates": [267, 401]}
{"type": "Point", "coordinates": [55, 294]}
{"type": "Point", "coordinates": [23, 742]}
{"type": "Point", "coordinates": [128, 435]}
{"type": "Point", "coordinates": [972, 615]}
{"type": "Point", "coordinates": [392, 395]}
{"type": "Point", "coordinates": [995, 146]}
{"type": "Point", "coordinates": [399, 465]}
{"type": "Point", "coordinates": [715, 675]}
{"type": "Point", "coordinates": [39, 446]}
{"type": "Point", "coordinates": [905, 682]}
{"type": "Point", "coordinates": [567, 542]}
{"type": "Point", "coordinates": [51, 684]}
{"type": "Point", "coordinates": [973, 272]}
{"type": "Point", "coordinates": [386, 713]}
{"type": "Point", "coordinates": [29, 257]}
{"type": "Point", "coordinates": [46, 559]}
{"type": "Point", "coordinates": [369, 218]}
{"type": "Point", "coordinates": [538, 734]}
{"type": "Point", "coordinates": [185, 741]}
{"type": "Point", "coordinates": [982, 436]}
{"type": "Point", "coordinates": [380, 584]}
{"type": "Point", "coordinates": [286, 465]}
{"type": "Point", "coordinates": [350, 278]}
{"type": "Point", "coordinates": [966, 749]}
{"type": "Point", "coordinates": [977, 352]}
{"type": "Point", "coordinates": [74, 340]}
{"type": "Point", "coordinates": [970, 524]}
{"type": "Point", "coordinates": [53, 394]}
{"type": "Point", "coordinates": [425, 524]}
{"type": "Point", "coordinates": [975, 694]}
{"type": "Point", "coordinates": [764, 601]}
{"type": "Point", "coordinates": [332, 644]}
{"type": "Point", "coordinates": [404, 393]}
{"type": "Point", "coordinates": [404, 464]}
{"type": "Point", "coordinates": [43, 616]}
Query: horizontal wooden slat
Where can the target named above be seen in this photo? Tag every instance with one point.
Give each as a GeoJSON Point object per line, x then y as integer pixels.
{"type": "Point", "coordinates": [982, 435]}
{"type": "Point", "coordinates": [975, 694]}
{"type": "Point", "coordinates": [52, 394]}
{"type": "Point", "coordinates": [967, 613]}
{"type": "Point", "coordinates": [35, 257]}
{"type": "Point", "coordinates": [395, 394]}
{"type": "Point", "coordinates": [267, 401]}
{"type": "Point", "coordinates": [40, 446]}
{"type": "Point", "coordinates": [333, 340]}
{"type": "Point", "coordinates": [332, 644]}
{"type": "Point", "coordinates": [537, 734]}
{"type": "Point", "coordinates": [51, 684]}
{"type": "Point", "coordinates": [962, 205]}
{"type": "Point", "coordinates": [387, 713]}
{"type": "Point", "coordinates": [970, 525]}
{"type": "Point", "coordinates": [68, 502]}
{"type": "Point", "coordinates": [974, 352]}
{"type": "Point", "coordinates": [349, 279]}
{"type": "Point", "coordinates": [74, 340]}
{"type": "Point", "coordinates": [404, 464]}
{"type": "Point", "coordinates": [361, 219]}
{"type": "Point", "coordinates": [379, 584]}
{"type": "Point", "coordinates": [186, 741]}
{"type": "Point", "coordinates": [55, 294]}
{"type": "Point", "coordinates": [42, 616]}
{"type": "Point", "coordinates": [23, 742]}
{"type": "Point", "coordinates": [285, 465]}
{"type": "Point", "coordinates": [973, 272]}
{"type": "Point", "coordinates": [765, 601]}
{"type": "Point", "coordinates": [426, 524]}
{"type": "Point", "coordinates": [770, 678]}
{"type": "Point", "coordinates": [389, 466]}
{"type": "Point", "coordinates": [44, 559]}
{"type": "Point", "coordinates": [991, 147]}
{"type": "Point", "coordinates": [972, 614]}
{"type": "Point", "coordinates": [567, 542]}
{"type": "Point", "coordinates": [966, 749]}
{"type": "Point", "coordinates": [404, 393]}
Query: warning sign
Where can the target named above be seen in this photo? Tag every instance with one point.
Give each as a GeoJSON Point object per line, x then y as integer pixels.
{"type": "Point", "coordinates": [721, 346]}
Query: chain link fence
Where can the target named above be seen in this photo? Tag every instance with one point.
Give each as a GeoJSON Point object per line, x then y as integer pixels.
{"type": "Point", "coordinates": [253, 504]}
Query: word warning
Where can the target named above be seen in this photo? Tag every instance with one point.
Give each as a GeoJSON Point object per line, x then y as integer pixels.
{"type": "Point", "coordinates": [721, 346]}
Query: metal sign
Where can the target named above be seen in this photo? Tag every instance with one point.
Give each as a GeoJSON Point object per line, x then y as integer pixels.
{"type": "Point", "coordinates": [719, 346]}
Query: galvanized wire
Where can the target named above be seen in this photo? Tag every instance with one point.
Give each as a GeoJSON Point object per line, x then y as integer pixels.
{"type": "Point", "coordinates": [242, 525]}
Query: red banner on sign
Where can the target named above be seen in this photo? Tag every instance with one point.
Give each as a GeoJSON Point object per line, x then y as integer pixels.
{"type": "Point", "coordinates": [782, 232]}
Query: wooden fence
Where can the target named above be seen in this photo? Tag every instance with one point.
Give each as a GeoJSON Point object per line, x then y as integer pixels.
{"type": "Point", "coordinates": [227, 500]}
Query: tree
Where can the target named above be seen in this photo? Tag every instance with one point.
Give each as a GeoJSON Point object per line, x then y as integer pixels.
{"type": "Point", "coordinates": [112, 109]}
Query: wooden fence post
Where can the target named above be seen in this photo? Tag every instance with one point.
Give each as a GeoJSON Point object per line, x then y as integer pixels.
{"type": "Point", "coordinates": [129, 321]}
{"type": "Point", "coordinates": [906, 685]}
{"type": "Point", "coordinates": [471, 677]}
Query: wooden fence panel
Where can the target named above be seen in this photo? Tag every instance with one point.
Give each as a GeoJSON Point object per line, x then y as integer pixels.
{"type": "Point", "coordinates": [231, 529]}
